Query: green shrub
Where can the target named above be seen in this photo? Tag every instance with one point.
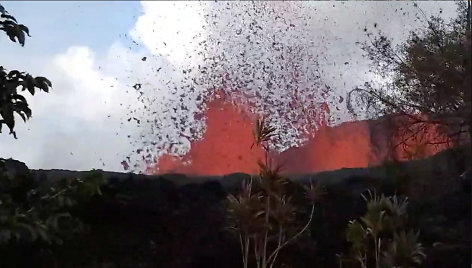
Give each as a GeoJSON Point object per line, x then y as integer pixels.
{"type": "Point", "coordinates": [30, 211]}
{"type": "Point", "coordinates": [380, 239]}
{"type": "Point", "coordinates": [264, 215]}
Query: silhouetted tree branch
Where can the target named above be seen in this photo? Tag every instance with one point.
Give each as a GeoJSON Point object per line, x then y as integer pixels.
{"type": "Point", "coordinates": [429, 81]}
{"type": "Point", "coordinates": [12, 83]}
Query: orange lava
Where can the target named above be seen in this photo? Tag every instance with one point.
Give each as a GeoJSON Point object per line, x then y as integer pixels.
{"type": "Point", "coordinates": [226, 147]}
{"type": "Point", "coordinates": [344, 146]}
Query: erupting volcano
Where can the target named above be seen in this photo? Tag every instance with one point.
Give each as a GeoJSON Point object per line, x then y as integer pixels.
{"type": "Point", "coordinates": [268, 60]}
{"type": "Point", "coordinates": [226, 146]}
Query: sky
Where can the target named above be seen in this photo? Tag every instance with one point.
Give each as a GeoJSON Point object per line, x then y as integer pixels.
{"type": "Point", "coordinates": [93, 53]}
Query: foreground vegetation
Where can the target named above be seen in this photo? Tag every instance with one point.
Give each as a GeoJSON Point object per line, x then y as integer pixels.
{"type": "Point", "coordinates": [133, 221]}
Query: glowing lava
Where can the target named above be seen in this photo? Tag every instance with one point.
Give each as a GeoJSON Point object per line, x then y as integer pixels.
{"type": "Point", "coordinates": [344, 146]}
{"type": "Point", "coordinates": [226, 146]}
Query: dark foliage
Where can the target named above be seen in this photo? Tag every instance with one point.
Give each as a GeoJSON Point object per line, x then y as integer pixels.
{"type": "Point", "coordinates": [37, 215]}
{"type": "Point", "coordinates": [12, 83]}
{"type": "Point", "coordinates": [153, 222]}
{"type": "Point", "coordinates": [428, 81]}
{"type": "Point", "coordinates": [16, 32]}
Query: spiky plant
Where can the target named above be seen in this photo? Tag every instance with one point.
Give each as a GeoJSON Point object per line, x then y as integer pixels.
{"type": "Point", "coordinates": [263, 132]}
{"type": "Point", "coordinates": [245, 214]}
{"type": "Point", "coordinates": [404, 251]}
{"type": "Point", "coordinates": [357, 234]}
{"type": "Point", "coordinates": [263, 214]}
{"type": "Point", "coordinates": [314, 192]}
{"type": "Point", "coordinates": [380, 237]}
{"type": "Point", "coordinates": [270, 180]}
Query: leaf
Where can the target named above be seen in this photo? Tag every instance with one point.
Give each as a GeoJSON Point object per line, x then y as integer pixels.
{"type": "Point", "coordinates": [42, 83]}
{"type": "Point", "coordinates": [15, 33]}
{"type": "Point", "coordinates": [355, 232]}
{"type": "Point", "coordinates": [24, 29]}
{"type": "Point", "coordinates": [263, 131]}
{"type": "Point", "coordinates": [14, 73]}
{"type": "Point", "coordinates": [9, 17]}
{"type": "Point", "coordinates": [29, 83]}
{"type": "Point", "coordinates": [18, 97]}
{"type": "Point", "coordinates": [405, 250]}
{"type": "Point", "coordinates": [23, 116]}
{"type": "Point", "coordinates": [22, 107]}
{"type": "Point", "coordinates": [314, 193]}
{"type": "Point", "coordinates": [8, 118]}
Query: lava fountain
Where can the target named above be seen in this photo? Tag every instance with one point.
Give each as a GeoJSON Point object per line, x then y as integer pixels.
{"type": "Point", "coordinates": [226, 146]}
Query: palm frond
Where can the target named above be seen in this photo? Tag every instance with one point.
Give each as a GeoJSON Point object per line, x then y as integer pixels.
{"type": "Point", "coordinates": [405, 250]}
{"type": "Point", "coordinates": [314, 192]}
{"type": "Point", "coordinates": [263, 131]}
